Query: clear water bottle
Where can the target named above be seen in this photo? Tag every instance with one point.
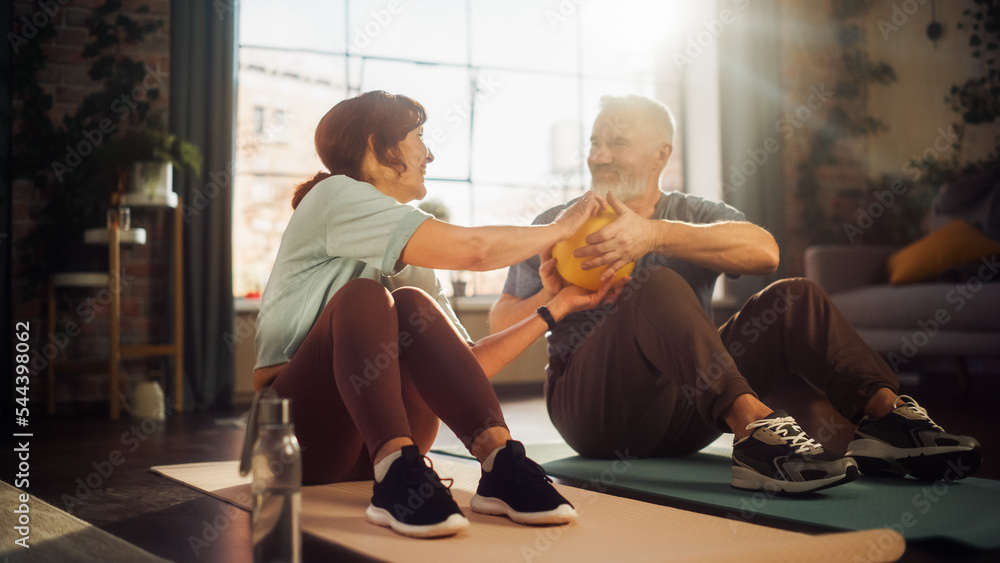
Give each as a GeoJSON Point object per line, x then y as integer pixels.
{"type": "Point", "coordinates": [277, 485]}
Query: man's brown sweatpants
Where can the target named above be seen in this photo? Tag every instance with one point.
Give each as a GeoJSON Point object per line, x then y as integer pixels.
{"type": "Point", "coordinates": [655, 376]}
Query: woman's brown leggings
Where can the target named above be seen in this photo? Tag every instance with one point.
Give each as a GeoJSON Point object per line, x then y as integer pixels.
{"type": "Point", "coordinates": [376, 366]}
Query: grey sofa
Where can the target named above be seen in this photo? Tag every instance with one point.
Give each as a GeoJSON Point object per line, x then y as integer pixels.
{"type": "Point", "coordinates": [956, 314]}
{"type": "Point", "coordinates": [956, 318]}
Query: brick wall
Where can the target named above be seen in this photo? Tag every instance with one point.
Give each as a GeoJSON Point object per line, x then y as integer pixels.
{"type": "Point", "coordinates": [145, 294]}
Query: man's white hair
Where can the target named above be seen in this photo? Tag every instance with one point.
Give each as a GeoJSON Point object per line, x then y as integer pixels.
{"type": "Point", "coordinates": [657, 114]}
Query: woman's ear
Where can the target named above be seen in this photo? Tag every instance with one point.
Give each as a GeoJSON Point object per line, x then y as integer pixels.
{"type": "Point", "coordinates": [369, 164]}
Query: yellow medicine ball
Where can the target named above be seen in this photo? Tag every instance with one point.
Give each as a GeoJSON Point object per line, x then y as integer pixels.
{"type": "Point", "coordinates": [568, 265]}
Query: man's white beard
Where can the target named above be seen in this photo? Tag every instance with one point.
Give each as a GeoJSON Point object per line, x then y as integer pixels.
{"type": "Point", "coordinates": [626, 188]}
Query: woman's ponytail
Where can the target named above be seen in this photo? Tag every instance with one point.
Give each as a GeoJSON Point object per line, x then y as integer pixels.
{"type": "Point", "coordinates": [302, 189]}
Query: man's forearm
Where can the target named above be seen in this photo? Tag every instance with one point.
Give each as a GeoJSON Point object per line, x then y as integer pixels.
{"type": "Point", "coordinates": [728, 247]}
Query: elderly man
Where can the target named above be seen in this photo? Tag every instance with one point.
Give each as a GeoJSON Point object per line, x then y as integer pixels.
{"type": "Point", "coordinates": [647, 372]}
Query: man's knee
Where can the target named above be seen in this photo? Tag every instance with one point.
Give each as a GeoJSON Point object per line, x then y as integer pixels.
{"type": "Point", "coordinates": [791, 292]}
{"type": "Point", "coordinates": [660, 285]}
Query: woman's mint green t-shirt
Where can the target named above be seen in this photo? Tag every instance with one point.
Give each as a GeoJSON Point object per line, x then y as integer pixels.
{"type": "Point", "coordinates": [341, 230]}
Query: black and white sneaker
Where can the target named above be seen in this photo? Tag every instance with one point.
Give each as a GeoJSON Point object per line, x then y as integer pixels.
{"type": "Point", "coordinates": [779, 457]}
{"type": "Point", "coordinates": [907, 442]}
{"type": "Point", "coordinates": [518, 488]}
{"type": "Point", "coordinates": [413, 501]}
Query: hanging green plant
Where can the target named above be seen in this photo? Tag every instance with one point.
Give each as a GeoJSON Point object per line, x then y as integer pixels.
{"type": "Point", "coordinates": [822, 221]}
{"type": "Point", "coordinates": [977, 100]}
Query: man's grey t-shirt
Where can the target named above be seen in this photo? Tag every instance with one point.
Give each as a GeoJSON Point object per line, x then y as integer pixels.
{"type": "Point", "coordinates": [523, 280]}
{"type": "Point", "coordinates": [341, 230]}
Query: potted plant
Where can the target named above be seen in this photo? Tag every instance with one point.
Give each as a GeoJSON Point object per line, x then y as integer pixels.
{"type": "Point", "coordinates": [81, 163]}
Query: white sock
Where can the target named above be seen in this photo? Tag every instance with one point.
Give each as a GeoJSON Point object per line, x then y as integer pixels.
{"type": "Point", "coordinates": [382, 467]}
{"type": "Point", "coordinates": [488, 462]}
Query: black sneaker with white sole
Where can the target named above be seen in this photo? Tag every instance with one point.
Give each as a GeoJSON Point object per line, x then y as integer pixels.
{"type": "Point", "coordinates": [412, 500]}
{"type": "Point", "coordinates": [519, 489]}
{"type": "Point", "coordinates": [780, 458]}
{"type": "Point", "coordinates": [907, 442]}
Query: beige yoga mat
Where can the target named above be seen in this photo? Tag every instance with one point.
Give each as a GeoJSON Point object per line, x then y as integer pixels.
{"type": "Point", "coordinates": [609, 528]}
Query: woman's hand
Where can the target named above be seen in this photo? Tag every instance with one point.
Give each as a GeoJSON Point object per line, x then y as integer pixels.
{"type": "Point", "coordinates": [573, 217]}
{"type": "Point", "coordinates": [563, 298]}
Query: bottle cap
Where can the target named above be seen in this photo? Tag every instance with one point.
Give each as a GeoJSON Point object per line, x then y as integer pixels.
{"type": "Point", "coordinates": [275, 411]}
{"type": "Point", "coordinates": [266, 400]}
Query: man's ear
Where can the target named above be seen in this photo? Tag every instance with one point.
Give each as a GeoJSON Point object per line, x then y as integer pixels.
{"type": "Point", "coordinates": [662, 155]}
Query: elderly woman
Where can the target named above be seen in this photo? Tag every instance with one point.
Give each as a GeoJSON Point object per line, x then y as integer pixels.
{"type": "Point", "coordinates": [355, 329]}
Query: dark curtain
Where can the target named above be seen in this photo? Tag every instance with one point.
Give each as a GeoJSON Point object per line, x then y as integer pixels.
{"type": "Point", "coordinates": [750, 118]}
{"type": "Point", "coordinates": [202, 110]}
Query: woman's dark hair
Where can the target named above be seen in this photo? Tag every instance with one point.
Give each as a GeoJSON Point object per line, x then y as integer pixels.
{"type": "Point", "coordinates": [342, 135]}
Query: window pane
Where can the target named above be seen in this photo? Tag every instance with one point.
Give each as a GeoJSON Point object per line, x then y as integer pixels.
{"type": "Point", "coordinates": [456, 197]}
{"type": "Point", "coordinates": [622, 37]}
{"type": "Point", "coordinates": [511, 100]}
{"type": "Point", "coordinates": [525, 34]}
{"type": "Point", "coordinates": [306, 24]}
{"type": "Point", "coordinates": [422, 31]}
{"type": "Point", "coordinates": [261, 209]}
{"type": "Point", "coordinates": [282, 96]}
{"type": "Point", "coordinates": [527, 128]}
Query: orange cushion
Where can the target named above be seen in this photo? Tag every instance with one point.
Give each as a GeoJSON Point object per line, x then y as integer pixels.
{"type": "Point", "coordinates": [954, 244]}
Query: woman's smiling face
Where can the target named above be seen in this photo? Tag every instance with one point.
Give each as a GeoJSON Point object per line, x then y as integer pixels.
{"type": "Point", "coordinates": [410, 184]}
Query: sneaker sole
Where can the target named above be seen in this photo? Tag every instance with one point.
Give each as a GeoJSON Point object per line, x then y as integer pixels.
{"type": "Point", "coordinates": [750, 480]}
{"type": "Point", "coordinates": [879, 459]}
{"type": "Point", "coordinates": [562, 514]}
{"type": "Point", "coordinates": [449, 527]}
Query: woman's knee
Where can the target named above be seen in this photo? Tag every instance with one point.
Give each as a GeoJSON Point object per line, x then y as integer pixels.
{"type": "Point", "coordinates": [412, 297]}
{"type": "Point", "coordinates": [362, 294]}
{"type": "Point", "coordinates": [364, 290]}
{"type": "Point", "coordinates": [357, 300]}
{"type": "Point", "coordinates": [415, 306]}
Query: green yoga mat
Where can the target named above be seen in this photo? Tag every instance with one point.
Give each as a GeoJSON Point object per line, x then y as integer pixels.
{"type": "Point", "coordinates": [966, 512]}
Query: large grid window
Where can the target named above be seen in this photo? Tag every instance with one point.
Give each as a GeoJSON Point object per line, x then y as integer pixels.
{"type": "Point", "coordinates": [511, 89]}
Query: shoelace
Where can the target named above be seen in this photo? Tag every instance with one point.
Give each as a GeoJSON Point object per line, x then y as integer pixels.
{"type": "Point", "coordinates": [527, 470]}
{"type": "Point", "coordinates": [786, 427]}
{"type": "Point", "coordinates": [419, 475]}
{"type": "Point", "coordinates": [920, 411]}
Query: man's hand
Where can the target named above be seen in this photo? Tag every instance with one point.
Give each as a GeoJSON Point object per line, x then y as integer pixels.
{"type": "Point", "coordinates": [628, 238]}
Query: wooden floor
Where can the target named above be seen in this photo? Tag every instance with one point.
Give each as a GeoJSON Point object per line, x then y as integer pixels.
{"type": "Point", "coordinates": [98, 470]}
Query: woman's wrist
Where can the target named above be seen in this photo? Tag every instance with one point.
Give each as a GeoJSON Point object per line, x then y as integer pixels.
{"type": "Point", "coordinates": [546, 316]}
{"type": "Point", "coordinates": [561, 230]}
{"type": "Point", "coordinates": [556, 307]}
